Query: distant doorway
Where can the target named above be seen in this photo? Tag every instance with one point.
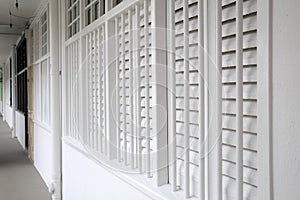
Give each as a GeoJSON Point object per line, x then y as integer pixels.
{"type": "Point", "coordinates": [21, 84]}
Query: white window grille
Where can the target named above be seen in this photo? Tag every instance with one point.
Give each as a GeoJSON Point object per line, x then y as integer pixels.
{"type": "Point", "coordinates": [73, 17]}
{"type": "Point", "coordinates": [39, 45]}
{"type": "Point", "coordinates": [96, 137]}
{"type": "Point", "coordinates": [93, 10]}
{"type": "Point", "coordinates": [134, 90]}
{"type": "Point", "coordinates": [186, 104]}
{"type": "Point", "coordinates": [44, 33]}
{"type": "Point", "coordinates": [136, 75]}
{"type": "Point", "coordinates": [72, 52]}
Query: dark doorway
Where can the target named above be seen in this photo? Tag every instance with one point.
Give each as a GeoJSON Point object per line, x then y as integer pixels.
{"type": "Point", "coordinates": [21, 89]}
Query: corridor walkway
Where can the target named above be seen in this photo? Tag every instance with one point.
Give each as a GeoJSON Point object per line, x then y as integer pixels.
{"type": "Point", "coordinates": [19, 180]}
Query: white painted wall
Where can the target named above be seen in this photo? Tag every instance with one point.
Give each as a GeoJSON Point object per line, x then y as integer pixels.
{"type": "Point", "coordinates": [20, 128]}
{"type": "Point", "coordinates": [42, 151]}
{"type": "Point", "coordinates": [84, 179]}
{"type": "Point", "coordinates": [286, 99]}
{"type": "Point", "coordinates": [8, 115]}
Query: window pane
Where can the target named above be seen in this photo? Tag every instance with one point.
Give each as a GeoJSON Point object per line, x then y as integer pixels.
{"type": "Point", "coordinates": [96, 10]}
{"type": "Point", "coordinates": [87, 2]}
{"type": "Point", "coordinates": [102, 7]}
{"type": "Point", "coordinates": [89, 16]}
{"type": "Point", "coordinates": [70, 16]}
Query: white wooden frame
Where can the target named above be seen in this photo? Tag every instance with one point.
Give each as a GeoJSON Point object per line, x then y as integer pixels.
{"type": "Point", "coordinates": [265, 122]}
{"type": "Point", "coordinates": [213, 182]}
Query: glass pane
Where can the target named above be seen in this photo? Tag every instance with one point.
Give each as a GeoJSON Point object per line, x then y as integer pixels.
{"type": "Point", "coordinates": [89, 16]}
{"type": "Point", "coordinates": [87, 2]}
{"type": "Point", "coordinates": [70, 31]}
{"type": "Point", "coordinates": [44, 39]}
{"type": "Point", "coordinates": [118, 1]}
{"type": "Point", "coordinates": [44, 28]}
{"type": "Point", "coordinates": [96, 10]}
{"type": "Point", "coordinates": [70, 16]}
{"type": "Point", "coordinates": [44, 50]}
{"type": "Point", "coordinates": [44, 17]}
{"type": "Point", "coordinates": [102, 7]}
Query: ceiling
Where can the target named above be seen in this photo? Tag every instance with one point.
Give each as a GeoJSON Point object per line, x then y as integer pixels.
{"type": "Point", "coordinates": [9, 36]}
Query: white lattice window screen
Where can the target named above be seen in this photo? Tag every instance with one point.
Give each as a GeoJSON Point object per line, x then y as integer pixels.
{"type": "Point", "coordinates": [73, 83]}
{"type": "Point", "coordinates": [185, 84]}
{"type": "Point", "coordinates": [248, 100]}
{"type": "Point", "coordinates": [134, 95]}
{"type": "Point", "coordinates": [134, 104]}
{"type": "Point", "coordinates": [96, 138]}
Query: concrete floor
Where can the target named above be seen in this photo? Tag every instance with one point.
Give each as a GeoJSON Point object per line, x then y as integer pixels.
{"type": "Point", "coordinates": [19, 180]}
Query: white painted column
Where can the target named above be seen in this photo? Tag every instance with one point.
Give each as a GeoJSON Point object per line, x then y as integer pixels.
{"type": "Point", "coordinates": [28, 48]}
{"type": "Point", "coordinates": [13, 98]}
{"type": "Point", "coordinates": [55, 187]}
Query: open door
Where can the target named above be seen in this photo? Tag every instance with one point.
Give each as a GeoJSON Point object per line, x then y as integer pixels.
{"type": "Point", "coordinates": [30, 112]}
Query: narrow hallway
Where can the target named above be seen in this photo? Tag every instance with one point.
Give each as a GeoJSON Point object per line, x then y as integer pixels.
{"type": "Point", "coordinates": [19, 180]}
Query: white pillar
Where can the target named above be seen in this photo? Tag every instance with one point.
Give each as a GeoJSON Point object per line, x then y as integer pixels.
{"type": "Point", "coordinates": [28, 47]}
{"type": "Point", "coordinates": [13, 85]}
{"type": "Point", "coordinates": [55, 100]}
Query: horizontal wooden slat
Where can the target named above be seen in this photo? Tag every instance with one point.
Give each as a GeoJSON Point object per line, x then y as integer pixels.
{"type": "Point", "coordinates": [249, 125]}
{"type": "Point", "coordinates": [250, 23]}
{"type": "Point", "coordinates": [228, 12]}
{"type": "Point", "coordinates": [249, 107]}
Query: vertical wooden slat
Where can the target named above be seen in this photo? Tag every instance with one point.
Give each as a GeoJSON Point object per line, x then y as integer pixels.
{"type": "Point", "coordinates": [90, 89]}
{"type": "Point", "coordinates": [76, 90]}
{"type": "Point", "coordinates": [201, 97]}
{"type": "Point", "coordinates": [96, 88]}
{"type": "Point", "coordinates": [147, 88]}
{"type": "Point", "coordinates": [88, 85]}
{"type": "Point", "coordinates": [71, 87]}
{"type": "Point", "coordinates": [95, 85]}
{"type": "Point", "coordinates": [219, 97]}
{"type": "Point", "coordinates": [99, 132]}
{"type": "Point", "coordinates": [105, 128]}
{"type": "Point", "coordinates": [186, 100]}
{"type": "Point", "coordinates": [123, 88]}
{"type": "Point", "coordinates": [138, 89]}
{"type": "Point", "coordinates": [131, 89]}
{"type": "Point", "coordinates": [118, 90]}
{"type": "Point", "coordinates": [98, 69]}
{"type": "Point", "coordinates": [102, 94]}
{"type": "Point", "coordinates": [239, 99]}
{"type": "Point", "coordinates": [172, 116]}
